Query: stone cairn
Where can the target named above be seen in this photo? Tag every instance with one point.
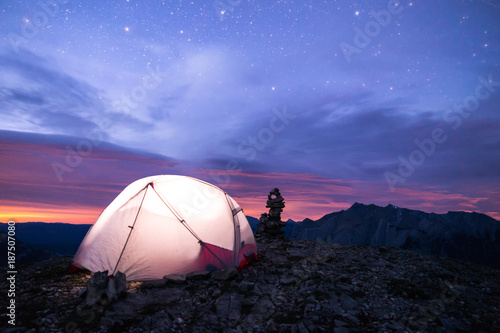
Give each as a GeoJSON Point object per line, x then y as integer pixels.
{"type": "Point", "coordinates": [270, 224]}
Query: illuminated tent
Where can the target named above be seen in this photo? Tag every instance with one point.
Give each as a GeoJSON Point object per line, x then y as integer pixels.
{"type": "Point", "coordinates": [164, 225]}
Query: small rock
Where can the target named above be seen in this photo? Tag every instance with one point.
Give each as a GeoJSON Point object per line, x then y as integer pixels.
{"type": "Point", "coordinates": [153, 284]}
{"type": "Point", "coordinates": [225, 274]}
{"type": "Point", "coordinates": [246, 286]}
{"type": "Point", "coordinates": [301, 328]}
{"type": "Point", "coordinates": [263, 308]}
{"type": "Point", "coordinates": [452, 324]}
{"type": "Point", "coordinates": [271, 327]}
{"type": "Point", "coordinates": [175, 278]}
{"type": "Point", "coordinates": [248, 301]}
{"type": "Point", "coordinates": [198, 275]}
{"type": "Point", "coordinates": [288, 281]}
{"type": "Point", "coordinates": [339, 323]}
{"type": "Point", "coordinates": [348, 302]}
{"type": "Point", "coordinates": [229, 306]}
{"type": "Point", "coordinates": [350, 318]}
{"type": "Point", "coordinates": [217, 292]}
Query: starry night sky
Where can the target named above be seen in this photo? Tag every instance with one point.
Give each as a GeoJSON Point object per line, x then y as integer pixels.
{"type": "Point", "coordinates": [331, 101]}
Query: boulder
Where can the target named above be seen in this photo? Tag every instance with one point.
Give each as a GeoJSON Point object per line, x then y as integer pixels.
{"type": "Point", "coordinates": [96, 288]}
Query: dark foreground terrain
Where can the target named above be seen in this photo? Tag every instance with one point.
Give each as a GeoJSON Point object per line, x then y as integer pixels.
{"type": "Point", "coordinates": [295, 286]}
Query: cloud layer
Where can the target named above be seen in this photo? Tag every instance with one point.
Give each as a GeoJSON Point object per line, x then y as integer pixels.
{"type": "Point", "coordinates": [33, 190]}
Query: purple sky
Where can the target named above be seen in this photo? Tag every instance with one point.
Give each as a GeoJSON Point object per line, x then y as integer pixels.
{"type": "Point", "coordinates": [332, 101]}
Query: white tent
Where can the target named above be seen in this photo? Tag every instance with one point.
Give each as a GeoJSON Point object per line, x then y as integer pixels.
{"type": "Point", "coordinates": [167, 224]}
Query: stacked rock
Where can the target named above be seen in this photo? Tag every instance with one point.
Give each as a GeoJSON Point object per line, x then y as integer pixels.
{"type": "Point", "coordinates": [270, 224]}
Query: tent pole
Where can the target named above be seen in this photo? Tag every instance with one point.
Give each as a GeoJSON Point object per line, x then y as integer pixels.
{"type": "Point", "coordinates": [236, 226]}
{"type": "Point", "coordinates": [184, 223]}
{"type": "Point", "coordinates": [131, 229]}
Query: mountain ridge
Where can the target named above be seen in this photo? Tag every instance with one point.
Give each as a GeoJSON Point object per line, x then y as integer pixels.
{"type": "Point", "coordinates": [467, 236]}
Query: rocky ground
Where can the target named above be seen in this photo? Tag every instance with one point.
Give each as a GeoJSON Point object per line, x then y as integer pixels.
{"type": "Point", "coordinates": [295, 286]}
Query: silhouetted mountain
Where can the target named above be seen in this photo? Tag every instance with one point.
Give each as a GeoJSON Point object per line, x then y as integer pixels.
{"type": "Point", "coordinates": [467, 236]}
{"type": "Point", "coordinates": [288, 228]}
{"type": "Point", "coordinates": [253, 223]}
{"type": "Point", "coordinates": [24, 254]}
{"type": "Point", "coordinates": [61, 238]}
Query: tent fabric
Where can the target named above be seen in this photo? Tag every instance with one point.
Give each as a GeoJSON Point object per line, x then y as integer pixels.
{"type": "Point", "coordinates": [164, 225]}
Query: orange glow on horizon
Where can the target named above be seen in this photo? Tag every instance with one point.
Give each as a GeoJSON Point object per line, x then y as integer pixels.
{"type": "Point", "coordinates": [295, 209]}
{"type": "Point", "coordinates": [49, 213]}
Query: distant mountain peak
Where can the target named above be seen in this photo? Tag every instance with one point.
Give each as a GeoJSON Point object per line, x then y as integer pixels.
{"type": "Point", "coordinates": [358, 205]}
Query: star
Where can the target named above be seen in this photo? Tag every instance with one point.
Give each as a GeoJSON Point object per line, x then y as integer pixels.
{"type": "Point", "coordinates": [126, 29]}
